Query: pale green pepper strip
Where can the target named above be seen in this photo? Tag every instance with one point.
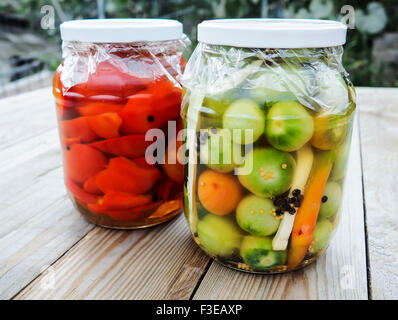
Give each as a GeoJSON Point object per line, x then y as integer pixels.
{"type": "Point", "coordinates": [305, 158]}
{"type": "Point", "coordinates": [195, 103]}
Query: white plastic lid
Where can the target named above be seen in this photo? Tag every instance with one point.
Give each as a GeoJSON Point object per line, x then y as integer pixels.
{"type": "Point", "coordinates": [273, 33]}
{"type": "Point", "coordinates": [121, 30]}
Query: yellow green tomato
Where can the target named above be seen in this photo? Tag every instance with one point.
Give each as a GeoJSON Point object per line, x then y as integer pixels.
{"type": "Point", "coordinates": [246, 120]}
{"type": "Point", "coordinates": [257, 252]}
{"type": "Point", "coordinates": [329, 131]}
{"type": "Point", "coordinates": [219, 235]}
{"type": "Point", "coordinates": [340, 164]}
{"type": "Point", "coordinates": [218, 151]}
{"type": "Point", "coordinates": [257, 216]}
{"type": "Point", "coordinates": [288, 126]}
{"type": "Point", "coordinates": [321, 235]}
{"type": "Point", "coordinates": [271, 172]}
{"type": "Point", "coordinates": [332, 199]}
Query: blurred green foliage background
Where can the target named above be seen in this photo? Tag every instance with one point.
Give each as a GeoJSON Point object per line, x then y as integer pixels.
{"type": "Point", "coordinates": [371, 52]}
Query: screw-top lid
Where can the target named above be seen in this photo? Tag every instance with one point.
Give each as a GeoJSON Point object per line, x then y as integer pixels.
{"type": "Point", "coordinates": [273, 33]}
{"type": "Point", "coordinates": [121, 30]}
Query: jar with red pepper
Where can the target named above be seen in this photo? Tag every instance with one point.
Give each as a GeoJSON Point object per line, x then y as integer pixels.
{"type": "Point", "coordinates": [118, 80]}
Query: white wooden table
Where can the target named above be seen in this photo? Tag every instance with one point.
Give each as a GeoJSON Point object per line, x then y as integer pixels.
{"type": "Point", "coordinates": [47, 251]}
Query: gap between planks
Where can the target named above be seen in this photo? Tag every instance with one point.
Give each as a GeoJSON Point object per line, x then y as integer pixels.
{"type": "Point", "coordinates": [157, 263]}
{"type": "Point", "coordinates": [379, 142]}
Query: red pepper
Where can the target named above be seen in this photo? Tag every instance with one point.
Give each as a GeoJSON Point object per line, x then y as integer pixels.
{"type": "Point", "coordinates": [109, 80]}
{"type": "Point", "coordinates": [82, 162]}
{"type": "Point", "coordinates": [96, 108]}
{"type": "Point", "coordinates": [79, 193]}
{"type": "Point", "coordinates": [143, 163]}
{"type": "Point", "coordinates": [124, 175]}
{"type": "Point", "coordinates": [78, 128]}
{"type": "Point", "coordinates": [128, 146]}
{"type": "Point", "coordinates": [151, 108]}
{"type": "Point", "coordinates": [116, 200]}
{"type": "Point", "coordinates": [91, 186]}
{"type": "Point", "coordinates": [106, 125]}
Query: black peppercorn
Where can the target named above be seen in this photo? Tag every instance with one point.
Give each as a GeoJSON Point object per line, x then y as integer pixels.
{"type": "Point", "coordinates": [324, 199]}
{"type": "Point", "coordinates": [296, 192]}
{"type": "Point", "coordinates": [297, 204]}
{"type": "Point", "coordinates": [292, 200]}
{"type": "Point", "coordinates": [278, 202]}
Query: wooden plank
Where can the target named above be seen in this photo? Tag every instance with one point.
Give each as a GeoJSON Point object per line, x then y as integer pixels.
{"type": "Point", "coordinates": [26, 115]}
{"type": "Point", "coordinates": [37, 222]}
{"type": "Point", "coordinates": [379, 137]}
{"type": "Point", "coordinates": [339, 274]}
{"type": "Point", "coordinates": [156, 263]}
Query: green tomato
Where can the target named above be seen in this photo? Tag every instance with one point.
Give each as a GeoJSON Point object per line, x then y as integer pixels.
{"type": "Point", "coordinates": [218, 151]}
{"type": "Point", "coordinates": [218, 235]}
{"type": "Point", "coordinates": [241, 115]}
{"type": "Point", "coordinates": [208, 118]}
{"type": "Point", "coordinates": [217, 104]}
{"type": "Point", "coordinates": [288, 126]}
{"type": "Point", "coordinates": [280, 82]}
{"type": "Point", "coordinates": [321, 235]}
{"type": "Point", "coordinates": [332, 91]}
{"type": "Point", "coordinates": [254, 215]}
{"type": "Point", "coordinates": [257, 252]}
{"type": "Point", "coordinates": [333, 192]}
{"type": "Point", "coordinates": [271, 174]}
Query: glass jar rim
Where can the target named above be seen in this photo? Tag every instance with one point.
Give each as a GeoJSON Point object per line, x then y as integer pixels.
{"type": "Point", "coordinates": [273, 33]}
{"type": "Point", "coordinates": [121, 30]}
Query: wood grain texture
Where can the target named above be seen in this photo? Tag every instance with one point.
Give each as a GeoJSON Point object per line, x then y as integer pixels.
{"type": "Point", "coordinates": [41, 233]}
{"type": "Point", "coordinates": [157, 263]}
{"type": "Point", "coordinates": [338, 274]}
{"type": "Point", "coordinates": [379, 137]}
{"type": "Point", "coordinates": [37, 221]}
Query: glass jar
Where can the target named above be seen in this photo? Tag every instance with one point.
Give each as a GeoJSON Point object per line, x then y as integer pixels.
{"type": "Point", "coordinates": [268, 109]}
{"type": "Point", "coordinates": [118, 80]}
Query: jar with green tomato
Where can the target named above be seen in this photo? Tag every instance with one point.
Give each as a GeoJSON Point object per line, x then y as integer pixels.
{"type": "Point", "coordinates": [269, 110]}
